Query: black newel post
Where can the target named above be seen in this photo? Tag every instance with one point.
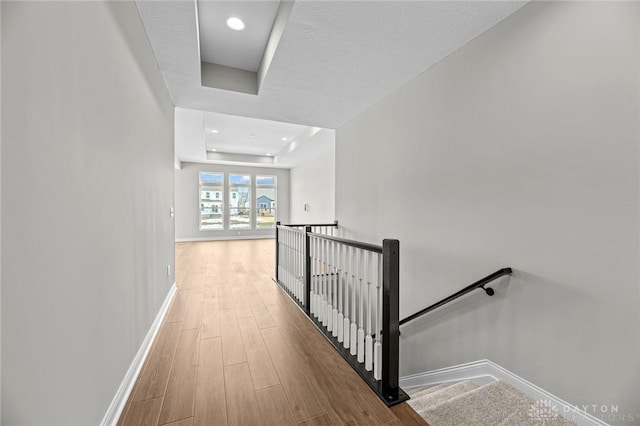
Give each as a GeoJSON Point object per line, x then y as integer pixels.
{"type": "Point", "coordinates": [390, 317]}
{"type": "Point", "coordinates": [277, 251]}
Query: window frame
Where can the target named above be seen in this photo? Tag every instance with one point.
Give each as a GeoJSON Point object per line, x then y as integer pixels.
{"type": "Point", "coordinates": [208, 188]}
{"type": "Point", "coordinates": [221, 193]}
{"type": "Point", "coordinates": [235, 186]}
{"type": "Point", "coordinates": [274, 187]}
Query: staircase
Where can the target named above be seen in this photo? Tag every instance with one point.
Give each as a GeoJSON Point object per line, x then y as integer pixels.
{"type": "Point", "coordinates": [494, 404]}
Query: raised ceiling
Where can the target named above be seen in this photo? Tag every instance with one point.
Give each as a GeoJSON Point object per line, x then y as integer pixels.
{"type": "Point", "coordinates": [221, 45]}
{"type": "Point", "coordinates": [243, 135]}
{"type": "Point", "coordinates": [206, 137]}
{"type": "Point", "coordinates": [334, 58]}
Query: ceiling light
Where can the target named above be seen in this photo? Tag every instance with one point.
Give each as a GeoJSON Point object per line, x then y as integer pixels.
{"type": "Point", "coordinates": [214, 131]}
{"type": "Point", "coordinates": [235, 23]}
{"type": "Point", "coordinates": [285, 139]}
{"type": "Point", "coordinates": [269, 155]}
{"type": "Point", "coordinates": [213, 150]}
{"type": "Point", "coordinates": [251, 135]}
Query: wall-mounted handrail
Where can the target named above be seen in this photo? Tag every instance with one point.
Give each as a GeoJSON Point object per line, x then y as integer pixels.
{"type": "Point", "coordinates": [478, 284]}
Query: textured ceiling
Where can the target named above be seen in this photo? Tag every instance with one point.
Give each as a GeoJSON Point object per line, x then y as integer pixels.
{"type": "Point", "coordinates": [335, 58]}
{"type": "Point", "coordinates": [221, 45]}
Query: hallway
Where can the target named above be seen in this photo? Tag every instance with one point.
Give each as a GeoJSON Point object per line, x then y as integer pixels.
{"type": "Point", "coordinates": [235, 350]}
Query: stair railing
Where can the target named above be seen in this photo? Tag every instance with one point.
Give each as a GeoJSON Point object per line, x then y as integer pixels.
{"type": "Point", "coordinates": [350, 290]}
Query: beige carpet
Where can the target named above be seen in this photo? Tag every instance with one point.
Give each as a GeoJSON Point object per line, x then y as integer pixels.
{"type": "Point", "coordinates": [424, 390]}
{"type": "Point", "coordinates": [495, 404]}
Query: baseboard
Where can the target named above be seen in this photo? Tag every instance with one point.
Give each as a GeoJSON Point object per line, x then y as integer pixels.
{"type": "Point", "coordinates": [226, 238]}
{"type": "Point", "coordinates": [484, 371]}
{"type": "Point", "coordinates": [122, 395]}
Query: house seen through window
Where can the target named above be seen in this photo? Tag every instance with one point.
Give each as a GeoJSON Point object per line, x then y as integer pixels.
{"type": "Point", "coordinates": [239, 205]}
{"type": "Point", "coordinates": [211, 211]}
{"type": "Point", "coordinates": [239, 209]}
{"type": "Point", "coordinates": [266, 201]}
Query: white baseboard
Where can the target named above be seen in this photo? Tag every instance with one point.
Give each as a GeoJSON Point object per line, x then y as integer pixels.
{"type": "Point", "coordinates": [120, 399]}
{"type": "Point", "coordinates": [238, 237]}
{"type": "Point", "coordinates": [484, 371]}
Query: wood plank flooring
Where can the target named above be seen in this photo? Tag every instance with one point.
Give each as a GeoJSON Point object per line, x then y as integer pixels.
{"type": "Point", "coordinates": [234, 350]}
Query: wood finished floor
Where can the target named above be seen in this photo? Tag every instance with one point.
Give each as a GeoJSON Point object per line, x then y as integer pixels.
{"type": "Point", "coordinates": [234, 350]}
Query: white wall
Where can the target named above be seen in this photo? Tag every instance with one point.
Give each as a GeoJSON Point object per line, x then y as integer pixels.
{"type": "Point", "coordinates": [521, 150]}
{"type": "Point", "coordinates": [313, 182]}
{"type": "Point", "coordinates": [88, 122]}
{"type": "Point", "coordinates": [188, 204]}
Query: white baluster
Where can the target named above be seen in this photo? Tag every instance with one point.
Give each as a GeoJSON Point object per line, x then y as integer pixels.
{"type": "Point", "coordinates": [354, 327]}
{"type": "Point", "coordinates": [377, 347]}
{"type": "Point", "coordinates": [314, 268]}
{"type": "Point", "coordinates": [323, 299]}
{"type": "Point", "coordinates": [294, 264]}
{"type": "Point", "coordinates": [368, 340]}
{"type": "Point", "coordinates": [329, 288]}
{"type": "Point", "coordinates": [311, 301]}
{"type": "Point", "coordinates": [298, 264]}
{"type": "Point", "coordinates": [340, 318]}
{"type": "Point", "coordinates": [317, 280]}
{"type": "Point", "coordinates": [291, 262]}
{"type": "Point", "coordinates": [285, 268]}
{"type": "Point", "coordinates": [335, 291]}
{"type": "Point", "coordinates": [346, 324]}
{"type": "Point", "coordinates": [315, 277]}
{"type": "Point", "coordinates": [360, 310]}
{"type": "Point", "coordinates": [301, 267]}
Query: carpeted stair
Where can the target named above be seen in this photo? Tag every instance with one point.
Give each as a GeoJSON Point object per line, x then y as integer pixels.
{"type": "Point", "coordinates": [494, 404]}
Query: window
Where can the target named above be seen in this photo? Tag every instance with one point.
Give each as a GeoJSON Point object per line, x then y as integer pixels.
{"type": "Point", "coordinates": [240, 201]}
{"type": "Point", "coordinates": [211, 211]}
{"type": "Point", "coordinates": [266, 189]}
{"type": "Point", "coordinates": [227, 202]}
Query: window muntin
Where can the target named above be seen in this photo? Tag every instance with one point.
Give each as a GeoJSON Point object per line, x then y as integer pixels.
{"type": "Point", "coordinates": [266, 190]}
{"type": "Point", "coordinates": [211, 211]}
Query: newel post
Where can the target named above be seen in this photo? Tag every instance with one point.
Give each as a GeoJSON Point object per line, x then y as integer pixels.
{"type": "Point", "coordinates": [390, 317]}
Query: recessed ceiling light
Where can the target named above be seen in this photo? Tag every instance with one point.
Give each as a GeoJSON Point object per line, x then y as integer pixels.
{"type": "Point", "coordinates": [214, 131]}
{"type": "Point", "coordinates": [251, 135]}
{"type": "Point", "coordinates": [235, 23]}
{"type": "Point", "coordinates": [269, 155]}
{"type": "Point", "coordinates": [213, 150]}
{"type": "Point", "coordinates": [285, 139]}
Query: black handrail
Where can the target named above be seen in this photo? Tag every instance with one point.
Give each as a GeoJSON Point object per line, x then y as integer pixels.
{"type": "Point", "coordinates": [478, 284]}
{"type": "Point", "coordinates": [357, 244]}
{"type": "Point", "coordinates": [335, 223]}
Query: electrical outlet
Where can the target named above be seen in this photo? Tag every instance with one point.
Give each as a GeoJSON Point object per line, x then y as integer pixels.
{"type": "Point", "coordinates": [168, 270]}
{"type": "Point", "coordinates": [171, 212]}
